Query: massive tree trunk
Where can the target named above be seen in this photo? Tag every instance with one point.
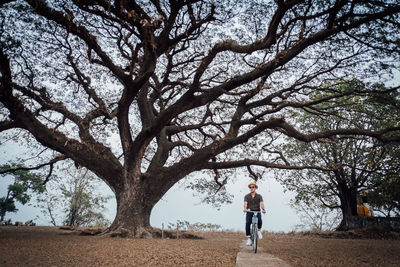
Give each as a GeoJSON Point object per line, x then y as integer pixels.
{"type": "Point", "coordinates": [348, 202]}
{"type": "Point", "coordinates": [133, 214]}
{"type": "Point", "coordinates": [135, 201]}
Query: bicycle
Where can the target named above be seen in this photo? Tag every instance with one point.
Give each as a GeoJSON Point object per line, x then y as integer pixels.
{"type": "Point", "coordinates": [254, 230]}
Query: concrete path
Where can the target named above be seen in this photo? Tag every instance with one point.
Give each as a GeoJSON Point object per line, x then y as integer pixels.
{"type": "Point", "coordinates": [246, 257]}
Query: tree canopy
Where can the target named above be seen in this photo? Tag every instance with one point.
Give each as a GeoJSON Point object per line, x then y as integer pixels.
{"type": "Point", "coordinates": [348, 166]}
{"type": "Point", "coordinates": [143, 93]}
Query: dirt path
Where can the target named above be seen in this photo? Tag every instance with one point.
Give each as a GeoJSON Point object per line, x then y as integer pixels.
{"type": "Point", "coordinates": [247, 257]}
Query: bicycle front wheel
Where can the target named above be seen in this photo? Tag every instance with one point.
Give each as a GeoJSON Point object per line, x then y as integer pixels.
{"type": "Point", "coordinates": [255, 238]}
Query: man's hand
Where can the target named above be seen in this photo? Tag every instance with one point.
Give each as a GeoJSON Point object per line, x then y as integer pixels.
{"type": "Point", "coordinates": [263, 211]}
{"type": "Point", "coordinates": [245, 210]}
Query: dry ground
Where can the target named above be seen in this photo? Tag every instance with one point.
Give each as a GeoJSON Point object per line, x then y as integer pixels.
{"type": "Point", "coordinates": [353, 248]}
{"type": "Point", "coordinates": [49, 246]}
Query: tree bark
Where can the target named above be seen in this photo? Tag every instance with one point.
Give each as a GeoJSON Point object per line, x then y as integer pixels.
{"type": "Point", "coordinates": [133, 214]}
{"type": "Point", "coordinates": [135, 201]}
{"type": "Point", "coordinates": [348, 202]}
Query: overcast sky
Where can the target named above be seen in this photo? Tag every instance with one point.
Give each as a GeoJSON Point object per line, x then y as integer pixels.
{"type": "Point", "coordinates": [279, 217]}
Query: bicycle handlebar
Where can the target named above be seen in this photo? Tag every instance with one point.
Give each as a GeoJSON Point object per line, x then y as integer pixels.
{"type": "Point", "coordinates": [254, 211]}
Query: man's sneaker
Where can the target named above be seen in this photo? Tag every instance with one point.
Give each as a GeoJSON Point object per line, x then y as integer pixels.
{"type": "Point", "coordinates": [259, 234]}
{"type": "Point", "coordinates": [248, 242]}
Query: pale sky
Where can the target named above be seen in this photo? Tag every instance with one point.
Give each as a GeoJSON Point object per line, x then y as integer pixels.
{"type": "Point", "coordinates": [279, 217]}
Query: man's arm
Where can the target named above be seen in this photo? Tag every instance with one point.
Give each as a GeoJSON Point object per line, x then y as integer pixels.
{"type": "Point", "coordinates": [245, 206]}
{"type": "Point", "coordinates": [262, 207]}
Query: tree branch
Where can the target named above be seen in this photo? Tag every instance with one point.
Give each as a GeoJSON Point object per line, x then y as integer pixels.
{"type": "Point", "coordinates": [250, 162]}
{"type": "Point", "coordinates": [50, 164]}
{"type": "Point", "coordinates": [7, 125]}
{"type": "Point", "coordinates": [381, 135]}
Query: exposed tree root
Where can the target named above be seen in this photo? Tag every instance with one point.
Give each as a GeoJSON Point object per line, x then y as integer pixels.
{"type": "Point", "coordinates": [142, 232]}
{"type": "Point", "coordinates": [148, 232]}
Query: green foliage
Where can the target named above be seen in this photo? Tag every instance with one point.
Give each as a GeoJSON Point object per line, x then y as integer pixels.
{"type": "Point", "coordinates": [7, 205]}
{"type": "Point", "coordinates": [352, 163]}
{"type": "Point", "coordinates": [210, 192]}
{"type": "Point", "coordinates": [25, 184]}
{"type": "Point", "coordinates": [385, 196]}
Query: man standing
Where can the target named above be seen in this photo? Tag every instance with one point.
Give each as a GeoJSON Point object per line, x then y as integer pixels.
{"type": "Point", "coordinates": [253, 202]}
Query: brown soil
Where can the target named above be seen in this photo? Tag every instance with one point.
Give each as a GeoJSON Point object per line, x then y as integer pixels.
{"type": "Point", "coordinates": [353, 248]}
{"type": "Point", "coordinates": [50, 246]}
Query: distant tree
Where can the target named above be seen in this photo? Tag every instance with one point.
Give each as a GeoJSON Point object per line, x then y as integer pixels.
{"type": "Point", "coordinates": [347, 165]}
{"type": "Point", "coordinates": [74, 196]}
{"type": "Point", "coordinates": [187, 226]}
{"type": "Point", "coordinates": [315, 216]}
{"type": "Point", "coordinates": [25, 184]}
{"type": "Point", "coordinates": [144, 93]}
{"type": "Point", "coordinates": [48, 205]}
{"type": "Point", "coordinates": [84, 204]}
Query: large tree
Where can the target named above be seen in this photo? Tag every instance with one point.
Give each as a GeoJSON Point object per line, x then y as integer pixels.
{"type": "Point", "coordinates": [182, 85]}
{"type": "Point", "coordinates": [351, 165]}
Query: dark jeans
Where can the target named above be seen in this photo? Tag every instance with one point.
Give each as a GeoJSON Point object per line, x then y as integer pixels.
{"type": "Point", "coordinates": [249, 216]}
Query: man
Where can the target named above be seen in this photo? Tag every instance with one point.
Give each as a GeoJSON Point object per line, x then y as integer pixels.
{"type": "Point", "coordinates": [253, 202]}
{"type": "Point", "coordinates": [363, 209]}
{"type": "Point", "coordinates": [364, 200]}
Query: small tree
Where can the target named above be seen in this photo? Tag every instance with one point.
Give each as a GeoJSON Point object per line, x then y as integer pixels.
{"type": "Point", "coordinates": [76, 195]}
{"type": "Point", "coordinates": [25, 184]}
{"type": "Point", "coordinates": [82, 204]}
{"type": "Point", "coordinates": [316, 217]}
